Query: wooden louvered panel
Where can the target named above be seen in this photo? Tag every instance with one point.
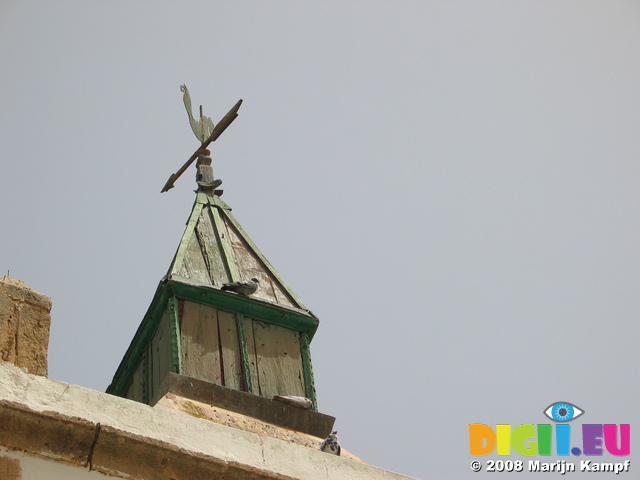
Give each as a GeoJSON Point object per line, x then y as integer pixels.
{"type": "Point", "coordinates": [210, 346]}
{"type": "Point", "coordinates": [160, 355]}
{"type": "Point", "coordinates": [136, 388]}
{"type": "Point", "coordinates": [210, 247]}
{"type": "Point", "coordinates": [230, 350]}
{"type": "Point", "coordinates": [253, 357]}
{"type": "Point", "coordinates": [200, 343]}
{"type": "Point", "coordinates": [250, 265]}
{"type": "Point", "coordinates": [275, 356]}
{"type": "Point", "coordinates": [193, 264]}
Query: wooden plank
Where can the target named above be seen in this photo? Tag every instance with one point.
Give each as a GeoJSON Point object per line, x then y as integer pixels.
{"type": "Point", "coordinates": [145, 377]}
{"type": "Point", "coordinates": [230, 350]}
{"type": "Point", "coordinates": [252, 265]}
{"type": "Point", "coordinates": [194, 265]}
{"type": "Point", "coordinates": [249, 265]}
{"type": "Point", "coordinates": [149, 385]}
{"type": "Point", "coordinates": [135, 391]}
{"type": "Point", "coordinates": [252, 356]}
{"type": "Point", "coordinates": [291, 360]}
{"type": "Point", "coordinates": [279, 360]}
{"type": "Point", "coordinates": [161, 359]}
{"type": "Point", "coordinates": [138, 349]}
{"type": "Point", "coordinates": [200, 343]}
{"type": "Point", "coordinates": [225, 245]}
{"type": "Point", "coordinates": [187, 235]}
{"type": "Point", "coordinates": [244, 353]}
{"type": "Point", "coordinates": [210, 246]}
{"type": "Point", "coordinates": [272, 272]}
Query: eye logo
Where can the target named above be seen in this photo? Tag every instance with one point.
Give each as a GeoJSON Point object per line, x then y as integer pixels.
{"type": "Point", "coordinates": [530, 440]}
{"type": "Point", "coordinates": [563, 412]}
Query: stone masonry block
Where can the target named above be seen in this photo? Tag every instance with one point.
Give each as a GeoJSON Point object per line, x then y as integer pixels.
{"type": "Point", "coordinates": [25, 321]}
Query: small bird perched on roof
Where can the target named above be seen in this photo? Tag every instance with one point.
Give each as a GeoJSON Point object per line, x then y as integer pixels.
{"type": "Point", "coordinates": [243, 288]}
{"type": "Point", "coordinates": [331, 444]}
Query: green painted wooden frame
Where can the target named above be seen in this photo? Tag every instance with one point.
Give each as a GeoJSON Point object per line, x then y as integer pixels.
{"type": "Point", "coordinates": [167, 297]}
{"type": "Point", "coordinates": [309, 383]}
{"type": "Point", "coordinates": [136, 351]}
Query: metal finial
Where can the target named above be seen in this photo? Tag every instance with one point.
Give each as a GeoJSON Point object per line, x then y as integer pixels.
{"type": "Point", "coordinates": [204, 130]}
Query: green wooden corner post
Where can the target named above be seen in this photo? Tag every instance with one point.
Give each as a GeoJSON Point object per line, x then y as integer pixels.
{"type": "Point", "coordinates": [246, 372]}
{"type": "Point", "coordinates": [309, 384]}
{"type": "Point", "coordinates": [173, 312]}
{"type": "Point", "coordinates": [230, 262]}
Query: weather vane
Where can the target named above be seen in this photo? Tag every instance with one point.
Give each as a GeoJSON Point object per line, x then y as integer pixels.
{"type": "Point", "coordinates": [206, 132]}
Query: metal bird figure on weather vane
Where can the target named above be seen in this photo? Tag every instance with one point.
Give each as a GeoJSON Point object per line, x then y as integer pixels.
{"type": "Point", "coordinates": [201, 128]}
{"type": "Point", "coordinates": [206, 132]}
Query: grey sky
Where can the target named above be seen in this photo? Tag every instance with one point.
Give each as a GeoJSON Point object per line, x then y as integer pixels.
{"type": "Point", "coordinates": [452, 187]}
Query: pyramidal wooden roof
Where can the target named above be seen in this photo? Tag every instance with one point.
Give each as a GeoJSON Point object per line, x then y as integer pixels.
{"type": "Point", "coordinates": [215, 250]}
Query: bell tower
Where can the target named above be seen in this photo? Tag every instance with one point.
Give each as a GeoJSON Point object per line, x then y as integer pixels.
{"type": "Point", "coordinates": [194, 329]}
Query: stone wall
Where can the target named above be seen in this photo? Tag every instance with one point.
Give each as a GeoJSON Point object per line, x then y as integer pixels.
{"type": "Point", "coordinates": [97, 432]}
{"type": "Point", "coordinates": [25, 321]}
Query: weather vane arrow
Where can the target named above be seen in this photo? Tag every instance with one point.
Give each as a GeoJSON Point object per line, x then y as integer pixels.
{"type": "Point", "coordinates": [201, 128]}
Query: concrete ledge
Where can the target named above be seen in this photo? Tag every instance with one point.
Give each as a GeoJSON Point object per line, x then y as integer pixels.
{"type": "Point", "coordinates": [117, 451]}
{"type": "Point", "coordinates": [50, 434]}
{"type": "Point", "coordinates": [265, 409]}
{"type": "Point", "coordinates": [120, 437]}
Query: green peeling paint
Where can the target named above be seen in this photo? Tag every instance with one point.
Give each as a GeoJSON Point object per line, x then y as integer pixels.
{"type": "Point", "coordinates": [176, 341]}
{"type": "Point", "coordinates": [309, 384]}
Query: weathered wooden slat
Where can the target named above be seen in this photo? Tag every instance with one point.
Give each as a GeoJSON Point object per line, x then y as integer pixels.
{"type": "Point", "coordinates": [193, 264]}
{"type": "Point", "coordinates": [248, 263]}
{"type": "Point", "coordinates": [150, 387]}
{"type": "Point", "coordinates": [230, 350]}
{"type": "Point", "coordinates": [291, 359]}
{"type": "Point", "coordinates": [135, 391]}
{"type": "Point", "coordinates": [252, 357]}
{"type": "Point", "coordinates": [254, 248]}
{"type": "Point", "coordinates": [184, 243]}
{"type": "Point", "coordinates": [226, 250]}
{"type": "Point", "coordinates": [160, 353]}
{"type": "Point", "coordinates": [281, 296]}
{"type": "Point", "coordinates": [144, 365]}
{"type": "Point", "coordinates": [200, 345]}
{"type": "Point", "coordinates": [138, 349]}
{"type": "Point", "coordinates": [251, 264]}
{"type": "Point", "coordinates": [244, 353]}
{"type": "Point", "coordinates": [211, 248]}
{"type": "Point", "coordinates": [279, 360]}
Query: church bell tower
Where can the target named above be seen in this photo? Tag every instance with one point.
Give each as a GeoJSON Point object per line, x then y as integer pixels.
{"type": "Point", "coordinates": [256, 343]}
